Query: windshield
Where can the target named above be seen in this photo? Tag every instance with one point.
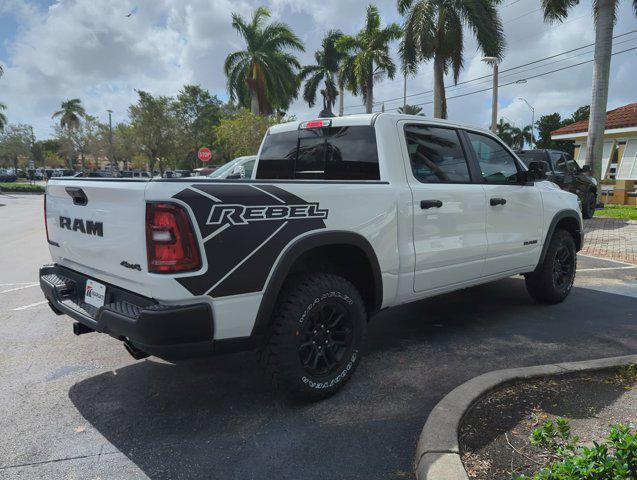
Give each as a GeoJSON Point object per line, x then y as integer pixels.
{"type": "Point", "coordinates": [223, 169]}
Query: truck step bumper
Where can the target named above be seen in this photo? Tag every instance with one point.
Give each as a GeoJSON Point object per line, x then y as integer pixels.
{"type": "Point", "coordinates": [172, 332]}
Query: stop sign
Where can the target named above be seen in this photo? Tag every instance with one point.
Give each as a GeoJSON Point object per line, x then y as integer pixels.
{"type": "Point", "coordinates": [204, 154]}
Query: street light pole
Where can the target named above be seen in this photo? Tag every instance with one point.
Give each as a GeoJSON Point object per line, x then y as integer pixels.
{"type": "Point", "coordinates": [532, 120]}
{"type": "Point", "coordinates": [110, 137]}
{"type": "Point", "coordinates": [494, 101]}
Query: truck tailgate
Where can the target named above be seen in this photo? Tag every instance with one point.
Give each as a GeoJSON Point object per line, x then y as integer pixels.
{"type": "Point", "coordinates": [98, 227]}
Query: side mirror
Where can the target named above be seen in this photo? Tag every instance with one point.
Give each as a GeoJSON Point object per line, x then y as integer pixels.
{"type": "Point", "coordinates": [586, 168]}
{"type": "Point", "coordinates": [538, 170]}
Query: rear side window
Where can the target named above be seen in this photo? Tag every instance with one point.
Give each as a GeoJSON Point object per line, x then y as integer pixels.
{"type": "Point", "coordinates": [329, 153]}
{"type": "Point", "coordinates": [528, 157]}
{"type": "Point", "coordinates": [436, 155]}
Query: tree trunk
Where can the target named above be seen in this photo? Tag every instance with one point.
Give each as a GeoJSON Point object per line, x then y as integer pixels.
{"type": "Point", "coordinates": [601, 70]}
{"type": "Point", "coordinates": [341, 94]}
{"type": "Point", "coordinates": [369, 95]}
{"type": "Point", "coordinates": [254, 102]}
{"type": "Point", "coordinates": [440, 101]}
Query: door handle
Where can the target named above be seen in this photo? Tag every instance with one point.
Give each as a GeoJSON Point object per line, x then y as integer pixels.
{"type": "Point", "coordinates": [425, 204]}
{"type": "Point", "coordinates": [497, 201]}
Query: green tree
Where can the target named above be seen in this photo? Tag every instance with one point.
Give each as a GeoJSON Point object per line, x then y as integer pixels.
{"type": "Point", "coordinates": [547, 124]}
{"type": "Point", "coordinates": [582, 113]}
{"type": "Point", "coordinates": [368, 56]}
{"type": "Point", "coordinates": [80, 141]}
{"type": "Point", "coordinates": [3, 117]}
{"type": "Point", "coordinates": [263, 76]}
{"type": "Point", "coordinates": [411, 110]}
{"type": "Point", "coordinates": [15, 145]}
{"type": "Point", "coordinates": [242, 134]}
{"type": "Point", "coordinates": [504, 132]}
{"type": "Point", "coordinates": [520, 136]}
{"type": "Point", "coordinates": [197, 113]}
{"type": "Point", "coordinates": [324, 70]}
{"type": "Point", "coordinates": [70, 113]}
{"type": "Point", "coordinates": [155, 127]}
{"type": "Point", "coordinates": [125, 145]}
{"type": "Point", "coordinates": [604, 15]}
{"type": "Point", "coordinates": [434, 31]}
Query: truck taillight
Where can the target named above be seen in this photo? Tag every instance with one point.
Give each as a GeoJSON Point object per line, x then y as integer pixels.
{"type": "Point", "coordinates": [170, 241]}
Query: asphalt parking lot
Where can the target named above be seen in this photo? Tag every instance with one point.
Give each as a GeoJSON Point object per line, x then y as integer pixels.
{"type": "Point", "coordinates": [82, 408]}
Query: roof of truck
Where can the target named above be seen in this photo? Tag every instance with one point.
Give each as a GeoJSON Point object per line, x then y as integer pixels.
{"type": "Point", "coordinates": [370, 119]}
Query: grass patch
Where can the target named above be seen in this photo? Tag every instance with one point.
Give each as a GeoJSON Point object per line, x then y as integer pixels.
{"type": "Point", "coordinates": [21, 187]}
{"type": "Point", "coordinates": [627, 212]}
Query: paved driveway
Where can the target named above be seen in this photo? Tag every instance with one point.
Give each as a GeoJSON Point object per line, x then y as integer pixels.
{"type": "Point", "coordinates": [81, 408]}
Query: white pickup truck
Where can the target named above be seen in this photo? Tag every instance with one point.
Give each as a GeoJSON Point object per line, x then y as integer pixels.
{"type": "Point", "coordinates": [346, 216]}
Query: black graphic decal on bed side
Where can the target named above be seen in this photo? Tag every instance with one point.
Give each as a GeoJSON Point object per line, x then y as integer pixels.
{"type": "Point", "coordinates": [244, 227]}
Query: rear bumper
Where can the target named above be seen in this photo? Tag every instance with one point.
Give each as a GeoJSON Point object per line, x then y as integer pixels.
{"type": "Point", "coordinates": [166, 331]}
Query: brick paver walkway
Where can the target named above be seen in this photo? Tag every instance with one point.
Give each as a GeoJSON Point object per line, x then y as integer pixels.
{"type": "Point", "coordinates": [611, 238]}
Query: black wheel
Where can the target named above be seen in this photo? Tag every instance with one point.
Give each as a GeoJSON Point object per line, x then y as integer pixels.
{"type": "Point", "coordinates": [553, 279]}
{"type": "Point", "coordinates": [314, 344]}
{"type": "Point", "coordinates": [589, 204]}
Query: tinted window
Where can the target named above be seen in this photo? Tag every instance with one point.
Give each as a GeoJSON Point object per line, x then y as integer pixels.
{"type": "Point", "coordinates": [278, 155]}
{"type": "Point", "coordinates": [331, 153]}
{"type": "Point", "coordinates": [559, 163]}
{"type": "Point", "coordinates": [352, 154]}
{"type": "Point", "coordinates": [528, 157]}
{"type": "Point", "coordinates": [571, 164]}
{"type": "Point", "coordinates": [436, 154]}
{"type": "Point", "coordinates": [496, 164]}
{"type": "Point", "coordinates": [249, 166]}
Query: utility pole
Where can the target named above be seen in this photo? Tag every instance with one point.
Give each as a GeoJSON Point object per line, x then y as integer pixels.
{"type": "Point", "coordinates": [110, 138]}
{"type": "Point", "coordinates": [494, 102]}
{"type": "Point", "coordinates": [532, 120]}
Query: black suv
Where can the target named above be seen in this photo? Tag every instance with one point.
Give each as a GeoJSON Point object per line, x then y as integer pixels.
{"type": "Point", "coordinates": [565, 172]}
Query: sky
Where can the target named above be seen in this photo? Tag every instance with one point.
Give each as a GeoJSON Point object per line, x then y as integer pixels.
{"type": "Point", "coordinates": [90, 49]}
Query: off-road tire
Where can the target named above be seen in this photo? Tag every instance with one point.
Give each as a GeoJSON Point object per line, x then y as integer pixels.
{"type": "Point", "coordinates": [589, 204]}
{"type": "Point", "coordinates": [544, 283]}
{"type": "Point", "coordinates": [304, 300]}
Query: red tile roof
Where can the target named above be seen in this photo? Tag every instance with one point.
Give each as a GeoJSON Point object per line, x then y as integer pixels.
{"type": "Point", "coordinates": [621, 117]}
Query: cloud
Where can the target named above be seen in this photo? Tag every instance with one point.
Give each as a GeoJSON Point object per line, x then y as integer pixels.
{"type": "Point", "coordinates": [91, 50]}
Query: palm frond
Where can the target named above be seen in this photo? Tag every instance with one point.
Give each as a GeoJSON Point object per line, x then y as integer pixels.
{"type": "Point", "coordinates": [557, 10]}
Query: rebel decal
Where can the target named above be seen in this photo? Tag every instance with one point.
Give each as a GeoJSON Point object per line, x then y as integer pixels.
{"type": "Point", "coordinates": [244, 228]}
{"type": "Point", "coordinates": [242, 215]}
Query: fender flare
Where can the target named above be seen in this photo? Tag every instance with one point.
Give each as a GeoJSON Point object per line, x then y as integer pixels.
{"type": "Point", "coordinates": [294, 251]}
{"type": "Point", "coordinates": [561, 215]}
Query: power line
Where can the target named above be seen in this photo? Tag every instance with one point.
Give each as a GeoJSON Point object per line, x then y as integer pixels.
{"type": "Point", "coordinates": [488, 77]}
{"type": "Point", "coordinates": [534, 62]}
{"type": "Point", "coordinates": [523, 38]}
{"type": "Point", "coordinates": [527, 78]}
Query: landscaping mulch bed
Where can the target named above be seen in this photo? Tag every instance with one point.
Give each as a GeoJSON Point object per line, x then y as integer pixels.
{"type": "Point", "coordinates": [494, 435]}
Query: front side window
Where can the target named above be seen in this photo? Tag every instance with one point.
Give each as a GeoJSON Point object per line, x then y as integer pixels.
{"type": "Point", "coordinates": [496, 164]}
{"type": "Point", "coordinates": [328, 153]}
{"type": "Point", "coordinates": [436, 155]}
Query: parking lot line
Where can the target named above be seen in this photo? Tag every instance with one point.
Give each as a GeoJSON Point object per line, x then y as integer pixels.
{"type": "Point", "coordinates": [605, 259]}
{"type": "Point", "coordinates": [24, 307]}
{"type": "Point", "coordinates": [20, 288]}
{"type": "Point", "coordinates": [605, 268]}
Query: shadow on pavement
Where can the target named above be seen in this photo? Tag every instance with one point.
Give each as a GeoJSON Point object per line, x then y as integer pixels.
{"type": "Point", "coordinates": [218, 418]}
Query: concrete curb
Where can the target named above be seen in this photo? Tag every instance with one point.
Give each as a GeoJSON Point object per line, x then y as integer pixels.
{"type": "Point", "coordinates": [438, 452]}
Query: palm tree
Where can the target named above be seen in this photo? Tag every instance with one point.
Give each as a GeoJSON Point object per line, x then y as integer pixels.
{"type": "Point", "coordinates": [520, 136]}
{"type": "Point", "coordinates": [504, 132]}
{"type": "Point", "coordinates": [263, 76]}
{"type": "Point", "coordinates": [369, 55]}
{"type": "Point", "coordinates": [70, 113]}
{"type": "Point", "coordinates": [3, 117]}
{"type": "Point", "coordinates": [604, 13]}
{"type": "Point", "coordinates": [411, 110]}
{"type": "Point", "coordinates": [325, 70]}
{"type": "Point", "coordinates": [434, 30]}
{"type": "Point", "coordinates": [345, 77]}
